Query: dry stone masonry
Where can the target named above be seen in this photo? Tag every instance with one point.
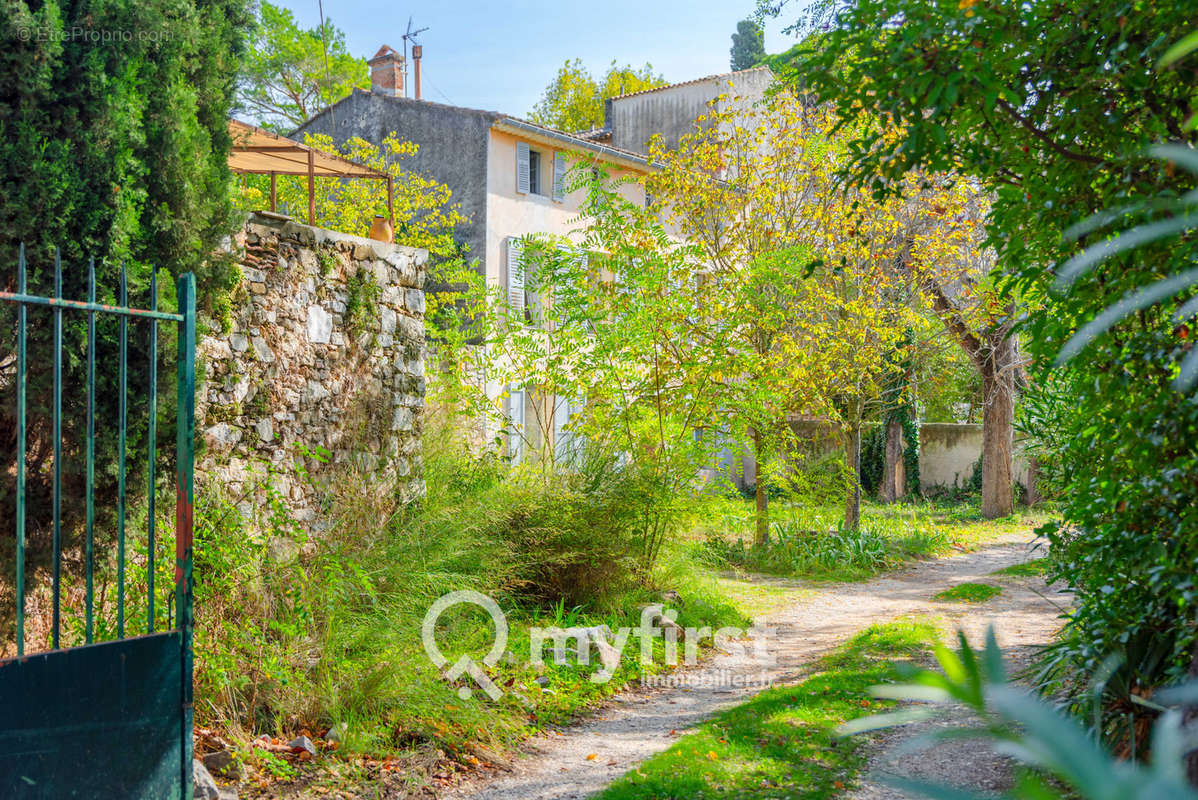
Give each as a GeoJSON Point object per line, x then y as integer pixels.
{"type": "Point", "coordinates": [323, 366]}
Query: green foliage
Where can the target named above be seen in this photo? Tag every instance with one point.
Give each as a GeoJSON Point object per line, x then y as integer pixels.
{"type": "Point", "coordinates": [783, 742]}
{"type": "Point", "coordinates": [113, 145]}
{"type": "Point", "coordinates": [968, 592]}
{"type": "Point", "coordinates": [291, 73]}
{"type": "Point", "coordinates": [812, 543]}
{"type": "Point", "coordinates": [748, 45]}
{"type": "Point", "coordinates": [362, 315]}
{"type": "Point", "coordinates": [574, 100]}
{"type": "Point", "coordinates": [955, 79]}
{"type": "Point", "coordinates": [574, 539]}
{"type": "Point", "coordinates": [298, 633]}
{"type": "Point", "coordinates": [1057, 749]}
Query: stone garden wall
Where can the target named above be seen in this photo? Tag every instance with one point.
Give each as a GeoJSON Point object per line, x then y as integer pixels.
{"type": "Point", "coordinates": [323, 366]}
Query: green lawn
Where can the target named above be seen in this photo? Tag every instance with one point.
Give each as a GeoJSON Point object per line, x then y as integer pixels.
{"type": "Point", "coordinates": [968, 593]}
{"type": "Point", "coordinates": [808, 540]}
{"type": "Point", "coordinates": [782, 744]}
{"type": "Point", "coordinates": [1028, 569]}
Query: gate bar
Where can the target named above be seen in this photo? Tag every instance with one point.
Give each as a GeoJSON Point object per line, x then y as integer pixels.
{"type": "Point", "coordinates": [91, 442]}
{"type": "Point", "coordinates": [185, 500]}
{"type": "Point", "coordinates": [123, 414]}
{"type": "Point", "coordinates": [21, 366]}
{"type": "Point", "coordinates": [152, 437]}
{"type": "Point", "coordinates": [80, 305]}
{"type": "Point", "coordinates": [57, 446]}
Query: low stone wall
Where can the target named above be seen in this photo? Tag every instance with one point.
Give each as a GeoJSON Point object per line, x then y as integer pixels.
{"type": "Point", "coordinates": [324, 364]}
{"type": "Point", "coordinates": [947, 453]}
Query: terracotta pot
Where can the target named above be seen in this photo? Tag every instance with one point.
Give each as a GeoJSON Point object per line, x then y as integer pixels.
{"type": "Point", "coordinates": [381, 230]}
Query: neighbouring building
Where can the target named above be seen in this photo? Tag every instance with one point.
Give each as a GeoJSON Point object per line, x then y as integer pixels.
{"type": "Point", "coordinates": [671, 111]}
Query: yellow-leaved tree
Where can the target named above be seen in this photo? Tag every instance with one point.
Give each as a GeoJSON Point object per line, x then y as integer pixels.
{"type": "Point", "coordinates": [808, 285]}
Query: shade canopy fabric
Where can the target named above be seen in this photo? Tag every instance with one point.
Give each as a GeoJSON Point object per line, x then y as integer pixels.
{"type": "Point", "coordinates": [262, 152]}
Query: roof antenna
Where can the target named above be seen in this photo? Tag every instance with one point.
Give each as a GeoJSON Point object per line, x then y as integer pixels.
{"type": "Point", "coordinates": [324, 44]}
{"type": "Point", "coordinates": [409, 36]}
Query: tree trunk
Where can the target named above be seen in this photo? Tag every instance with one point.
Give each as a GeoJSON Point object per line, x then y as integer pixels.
{"type": "Point", "coordinates": [852, 503]}
{"type": "Point", "coordinates": [1031, 494]}
{"type": "Point", "coordinates": [762, 535]}
{"type": "Point", "coordinates": [894, 478]}
{"type": "Point", "coordinates": [998, 429]}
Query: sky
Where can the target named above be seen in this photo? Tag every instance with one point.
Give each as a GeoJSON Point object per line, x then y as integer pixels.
{"type": "Point", "coordinates": [500, 56]}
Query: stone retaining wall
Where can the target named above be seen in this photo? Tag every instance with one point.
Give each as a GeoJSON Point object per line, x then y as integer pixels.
{"type": "Point", "coordinates": [323, 365]}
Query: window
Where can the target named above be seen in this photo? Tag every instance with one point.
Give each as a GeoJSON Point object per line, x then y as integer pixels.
{"type": "Point", "coordinates": [534, 172]}
{"type": "Point", "coordinates": [528, 169]}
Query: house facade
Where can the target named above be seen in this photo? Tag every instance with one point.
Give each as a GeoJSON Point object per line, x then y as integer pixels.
{"type": "Point", "coordinates": [508, 175]}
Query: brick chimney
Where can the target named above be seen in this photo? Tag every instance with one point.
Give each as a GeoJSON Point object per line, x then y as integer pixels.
{"type": "Point", "coordinates": [386, 72]}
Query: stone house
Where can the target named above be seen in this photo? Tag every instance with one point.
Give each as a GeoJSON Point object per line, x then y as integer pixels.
{"type": "Point", "coordinates": [509, 176]}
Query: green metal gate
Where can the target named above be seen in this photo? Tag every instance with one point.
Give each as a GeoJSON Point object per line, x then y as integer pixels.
{"type": "Point", "coordinates": [106, 718]}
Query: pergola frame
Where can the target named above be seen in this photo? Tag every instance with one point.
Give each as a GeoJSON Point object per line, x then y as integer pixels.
{"type": "Point", "coordinates": [259, 152]}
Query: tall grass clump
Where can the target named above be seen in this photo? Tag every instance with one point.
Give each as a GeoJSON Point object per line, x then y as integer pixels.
{"type": "Point", "coordinates": [303, 630]}
{"type": "Point", "coordinates": [810, 541]}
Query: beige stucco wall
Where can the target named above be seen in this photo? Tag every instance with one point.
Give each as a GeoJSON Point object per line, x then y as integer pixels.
{"type": "Point", "coordinates": [513, 214]}
{"type": "Point", "coordinates": [510, 213]}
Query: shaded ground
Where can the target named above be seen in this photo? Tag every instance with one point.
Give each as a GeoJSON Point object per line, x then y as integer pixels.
{"type": "Point", "coordinates": [585, 758]}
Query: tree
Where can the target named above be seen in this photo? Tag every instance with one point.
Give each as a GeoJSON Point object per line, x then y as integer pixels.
{"type": "Point", "coordinates": [291, 74]}
{"type": "Point", "coordinates": [604, 337]}
{"type": "Point", "coordinates": [1052, 109]}
{"type": "Point", "coordinates": [806, 286]}
{"type": "Point", "coordinates": [113, 145]}
{"type": "Point", "coordinates": [574, 101]}
{"type": "Point", "coordinates": [748, 45]}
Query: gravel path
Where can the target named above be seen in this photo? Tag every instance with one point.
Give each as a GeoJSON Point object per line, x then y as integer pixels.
{"type": "Point", "coordinates": [641, 722]}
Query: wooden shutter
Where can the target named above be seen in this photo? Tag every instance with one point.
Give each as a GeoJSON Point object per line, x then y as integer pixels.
{"type": "Point", "coordinates": [515, 273]}
{"type": "Point", "coordinates": [559, 176]}
{"type": "Point", "coordinates": [522, 160]}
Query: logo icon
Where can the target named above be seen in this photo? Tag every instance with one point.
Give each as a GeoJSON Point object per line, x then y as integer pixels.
{"type": "Point", "coordinates": [466, 665]}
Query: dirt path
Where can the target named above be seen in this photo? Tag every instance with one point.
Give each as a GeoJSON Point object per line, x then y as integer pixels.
{"type": "Point", "coordinates": [637, 724]}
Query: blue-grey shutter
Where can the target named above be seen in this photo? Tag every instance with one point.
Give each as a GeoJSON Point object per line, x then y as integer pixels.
{"type": "Point", "coordinates": [515, 273]}
{"type": "Point", "coordinates": [522, 159]}
{"type": "Point", "coordinates": [561, 434]}
{"type": "Point", "coordinates": [516, 438]}
{"type": "Point", "coordinates": [559, 176]}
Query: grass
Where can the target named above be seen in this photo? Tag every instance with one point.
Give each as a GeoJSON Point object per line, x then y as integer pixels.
{"type": "Point", "coordinates": [758, 597]}
{"type": "Point", "coordinates": [330, 637]}
{"type": "Point", "coordinates": [968, 593]}
{"type": "Point", "coordinates": [807, 540]}
{"type": "Point", "coordinates": [782, 743]}
{"type": "Point", "coordinates": [1028, 569]}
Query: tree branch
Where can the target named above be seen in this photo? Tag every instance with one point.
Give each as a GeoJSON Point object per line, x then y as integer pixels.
{"type": "Point", "coordinates": [956, 326]}
{"type": "Point", "coordinates": [1059, 149]}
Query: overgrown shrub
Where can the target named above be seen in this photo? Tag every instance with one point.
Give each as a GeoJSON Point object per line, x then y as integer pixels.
{"type": "Point", "coordinates": [575, 537]}
{"type": "Point", "coordinates": [298, 633]}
